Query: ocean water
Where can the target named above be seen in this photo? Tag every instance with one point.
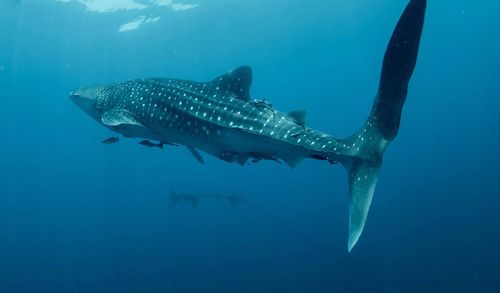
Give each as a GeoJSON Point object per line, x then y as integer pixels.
{"type": "Point", "coordinates": [77, 215]}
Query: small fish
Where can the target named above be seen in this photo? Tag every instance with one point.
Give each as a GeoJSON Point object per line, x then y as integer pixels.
{"type": "Point", "coordinates": [235, 200]}
{"type": "Point", "coordinates": [180, 197]}
{"type": "Point", "coordinates": [111, 140]}
{"type": "Point", "coordinates": [150, 144]}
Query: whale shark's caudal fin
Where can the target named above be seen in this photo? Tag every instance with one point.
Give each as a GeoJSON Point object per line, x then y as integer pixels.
{"type": "Point", "coordinates": [369, 143]}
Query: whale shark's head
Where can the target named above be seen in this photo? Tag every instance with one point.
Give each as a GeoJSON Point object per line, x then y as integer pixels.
{"type": "Point", "coordinates": [95, 100]}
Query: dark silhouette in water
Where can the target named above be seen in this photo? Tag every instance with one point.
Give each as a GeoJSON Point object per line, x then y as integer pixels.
{"type": "Point", "coordinates": [180, 197]}
{"type": "Point", "coordinates": [111, 140]}
{"type": "Point", "coordinates": [235, 200]}
{"type": "Point", "coordinates": [176, 197]}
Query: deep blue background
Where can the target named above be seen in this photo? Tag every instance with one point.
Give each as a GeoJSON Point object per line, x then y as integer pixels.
{"type": "Point", "coordinates": [80, 216]}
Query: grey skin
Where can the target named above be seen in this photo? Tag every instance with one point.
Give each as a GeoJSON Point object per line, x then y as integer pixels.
{"type": "Point", "coordinates": [220, 119]}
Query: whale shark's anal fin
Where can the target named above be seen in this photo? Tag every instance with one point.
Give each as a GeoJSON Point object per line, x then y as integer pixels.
{"type": "Point", "coordinates": [383, 122]}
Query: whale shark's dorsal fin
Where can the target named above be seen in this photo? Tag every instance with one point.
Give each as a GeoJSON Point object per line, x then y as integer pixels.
{"type": "Point", "coordinates": [298, 116]}
{"type": "Point", "coordinates": [117, 117]}
{"type": "Point", "coordinates": [236, 81]}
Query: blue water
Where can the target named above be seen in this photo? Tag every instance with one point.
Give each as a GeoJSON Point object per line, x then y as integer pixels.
{"type": "Point", "coordinates": [80, 216]}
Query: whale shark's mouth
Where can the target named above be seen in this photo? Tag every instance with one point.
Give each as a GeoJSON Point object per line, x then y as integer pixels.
{"type": "Point", "coordinates": [77, 97]}
{"type": "Point", "coordinates": [84, 101]}
{"type": "Point", "coordinates": [75, 93]}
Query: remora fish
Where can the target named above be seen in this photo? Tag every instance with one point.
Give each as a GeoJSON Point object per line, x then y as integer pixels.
{"type": "Point", "coordinates": [219, 118]}
{"type": "Point", "coordinates": [110, 140]}
{"type": "Point", "coordinates": [150, 144]}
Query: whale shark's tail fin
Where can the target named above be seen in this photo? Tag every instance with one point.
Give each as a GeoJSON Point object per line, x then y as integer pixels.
{"type": "Point", "coordinates": [367, 146]}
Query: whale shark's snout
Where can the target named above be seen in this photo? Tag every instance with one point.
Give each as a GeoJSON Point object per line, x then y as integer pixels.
{"type": "Point", "coordinates": [87, 99]}
{"type": "Point", "coordinates": [85, 94]}
{"type": "Point", "coordinates": [82, 100]}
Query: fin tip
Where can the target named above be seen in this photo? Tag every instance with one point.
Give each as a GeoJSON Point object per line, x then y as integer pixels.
{"type": "Point", "coordinates": [353, 238]}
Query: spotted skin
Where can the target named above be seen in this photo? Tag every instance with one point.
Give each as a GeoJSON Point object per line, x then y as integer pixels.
{"type": "Point", "coordinates": [220, 118]}
{"type": "Point", "coordinates": [208, 115]}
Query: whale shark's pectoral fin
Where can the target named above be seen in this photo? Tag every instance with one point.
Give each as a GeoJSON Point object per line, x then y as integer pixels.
{"type": "Point", "coordinates": [196, 154]}
{"type": "Point", "coordinates": [236, 81]}
{"type": "Point", "coordinates": [116, 117]}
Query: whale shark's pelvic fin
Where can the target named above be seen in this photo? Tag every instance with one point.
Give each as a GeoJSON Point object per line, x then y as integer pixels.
{"type": "Point", "coordinates": [196, 154]}
{"type": "Point", "coordinates": [383, 123]}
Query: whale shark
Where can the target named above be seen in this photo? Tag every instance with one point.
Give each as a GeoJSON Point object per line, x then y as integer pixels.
{"type": "Point", "coordinates": [220, 118]}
